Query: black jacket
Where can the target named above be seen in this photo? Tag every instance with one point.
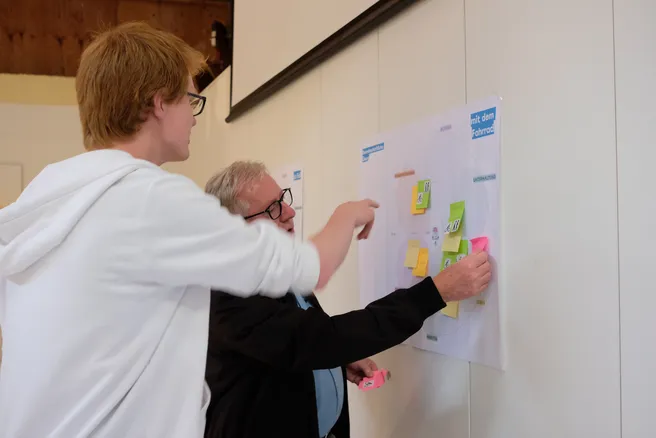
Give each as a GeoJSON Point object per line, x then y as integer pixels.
{"type": "Point", "coordinates": [262, 352]}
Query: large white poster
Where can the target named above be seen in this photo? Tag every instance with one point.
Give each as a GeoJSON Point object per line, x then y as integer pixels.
{"type": "Point", "coordinates": [437, 181]}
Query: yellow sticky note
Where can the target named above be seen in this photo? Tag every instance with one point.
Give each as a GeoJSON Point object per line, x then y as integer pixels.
{"type": "Point", "coordinates": [451, 309]}
{"type": "Point", "coordinates": [421, 270]}
{"type": "Point", "coordinates": [413, 208]}
{"type": "Point", "coordinates": [412, 254]}
{"type": "Point", "coordinates": [451, 241]}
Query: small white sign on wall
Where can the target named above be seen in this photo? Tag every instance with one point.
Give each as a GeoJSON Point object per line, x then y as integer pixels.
{"type": "Point", "coordinates": [291, 177]}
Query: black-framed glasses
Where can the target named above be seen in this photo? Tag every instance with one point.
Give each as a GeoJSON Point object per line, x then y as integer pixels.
{"type": "Point", "coordinates": [197, 103]}
{"type": "Point", "coordinates": [274, 210]}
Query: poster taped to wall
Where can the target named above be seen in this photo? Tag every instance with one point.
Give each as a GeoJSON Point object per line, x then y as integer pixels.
{"type": "Point", "coordinates": [437, 181]}
{"type": "Point", "coordinates": [291, 177]}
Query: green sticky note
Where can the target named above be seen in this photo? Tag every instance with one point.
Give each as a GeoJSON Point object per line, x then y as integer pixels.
{"type": "Point", "coordinates": [451, 309]}
{"type": "Point", "coordinates": [464, 248]}
{"type": "Point", "coordinates": [448, 259]}
{"type": "Point", "coordinates": [423, 193]}
{"type": "Point", "coordinates": [452, 257]}
{"type": "Point", "coordinates": [413, 206]}
{"type": "Point", "coordinates": [456, 213]}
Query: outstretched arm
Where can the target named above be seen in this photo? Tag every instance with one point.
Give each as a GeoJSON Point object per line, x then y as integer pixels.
{"type": "Point", "coordinates": [187, 238]}
{"type": "Point", "coordinates": [334, 240]}
{"type": "Point", "coordinates": [288, 337]}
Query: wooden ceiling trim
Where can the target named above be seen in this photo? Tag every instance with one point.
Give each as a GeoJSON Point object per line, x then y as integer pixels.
{"type": "Point", "coordinates": [47, 36]}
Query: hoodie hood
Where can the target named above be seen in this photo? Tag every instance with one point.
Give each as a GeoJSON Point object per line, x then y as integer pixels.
{"type": "Point", "coordinates": [53, 203]}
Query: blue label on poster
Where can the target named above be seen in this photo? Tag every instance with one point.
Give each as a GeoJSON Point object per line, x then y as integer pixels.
{"type": "Point", "coordinates": [482, 123]}
{"type": "Point", "coordinates": [297, 175]}
{"type": "Point", "coordinates": [370, 150]}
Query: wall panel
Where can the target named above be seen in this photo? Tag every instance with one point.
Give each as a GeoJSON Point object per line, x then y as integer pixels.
{"type": "Point", "coordinates": [635, 49]}
{"type": "Point", "coordinates": [552, 62]}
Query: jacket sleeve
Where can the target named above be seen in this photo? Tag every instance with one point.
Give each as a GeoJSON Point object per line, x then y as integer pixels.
{"type": "Point", "coordinates": [287, 337]}
{"type": "Point", "coordinates": [188, 238]}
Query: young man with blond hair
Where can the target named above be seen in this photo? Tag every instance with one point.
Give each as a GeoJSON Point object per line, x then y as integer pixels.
{"type": "Point", "coordinates": [106, 260]}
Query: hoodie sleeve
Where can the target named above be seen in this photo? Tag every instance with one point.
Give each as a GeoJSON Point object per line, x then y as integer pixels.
{"type": "Point", "coordinates": [3, 304]}
{"type": "Point", "coordinates": [3, 287]}
{"type": "Point", "coordinates": [2, 311]}
{"type": "Point", "coordinates": [189, 239]}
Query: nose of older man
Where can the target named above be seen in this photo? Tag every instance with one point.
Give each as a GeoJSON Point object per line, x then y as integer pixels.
{"type": "Point", "coordinates": [287, 217]}
{"type": "Point", "coordinates": [287, 212]}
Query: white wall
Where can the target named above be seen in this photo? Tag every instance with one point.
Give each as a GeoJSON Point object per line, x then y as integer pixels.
{"type": "Point", "coordinates": [554, 64]}
{"type": "Point", "coordinates": [635, 45]}
{"type": "Point", "coordinates": [37, 90]}
{"type": "Point", "coordinates": [37, 135]}
{"type": "Point", "coordinates": [33, 136]}
{"type": "Point", "coordinates": [270, 35]}
{"type": "Point", "coordinates": [555, 71]}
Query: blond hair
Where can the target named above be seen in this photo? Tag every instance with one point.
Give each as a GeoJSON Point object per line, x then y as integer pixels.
{"type": "Point", "coordinates": [119, 75]}
{"type": "Point", "coordinates": [229, 182]}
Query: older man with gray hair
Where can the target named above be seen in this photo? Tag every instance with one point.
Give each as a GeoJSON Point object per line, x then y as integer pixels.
{"type": "Point", "coordinates": [278, 367]}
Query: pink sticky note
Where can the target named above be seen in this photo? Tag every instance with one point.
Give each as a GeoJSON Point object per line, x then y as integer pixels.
{"type": "Point", "coordinates": [379, 378]}
{"type": "Point", "coordinates": [479, 244]}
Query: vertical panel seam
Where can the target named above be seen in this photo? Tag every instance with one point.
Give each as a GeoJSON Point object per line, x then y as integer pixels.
{"type": "Point", "coordinates": [464, 19]}
{"type": "Point", "coordinates": [322, 139]}
{"type": "Point", "coordinates": [617, 203]}
{"type": "Point", "coordinates": [378, 79]}
{"type": "Point", "coordinates": [469, 367]}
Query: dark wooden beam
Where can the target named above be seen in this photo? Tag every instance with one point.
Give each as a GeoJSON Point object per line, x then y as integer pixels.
{"type": "Point", "coordinates": [369, 20]}
{"type": "Point", "coordinates": [47, 36]}
{"type": "Point", "coordinates": [192, 2]}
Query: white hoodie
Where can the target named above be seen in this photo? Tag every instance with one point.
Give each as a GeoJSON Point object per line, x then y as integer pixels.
{"type": "Point", "coordinates": [106, 263]}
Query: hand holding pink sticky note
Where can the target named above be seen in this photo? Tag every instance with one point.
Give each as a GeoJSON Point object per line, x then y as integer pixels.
{"type": "Point", "coordinates": [479, 244]}
{"type": "Point", "coordinates": [379, 378]}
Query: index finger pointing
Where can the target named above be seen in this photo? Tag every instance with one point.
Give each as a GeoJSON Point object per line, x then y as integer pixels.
{"type": "Point", "coordinates": [372, 203]}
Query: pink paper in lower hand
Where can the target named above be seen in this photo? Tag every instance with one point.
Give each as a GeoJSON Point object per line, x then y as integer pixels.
{"type": "Point", "coordinates": [379, 378]}
{"type": "Point", "coordinates": [479, 244]}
